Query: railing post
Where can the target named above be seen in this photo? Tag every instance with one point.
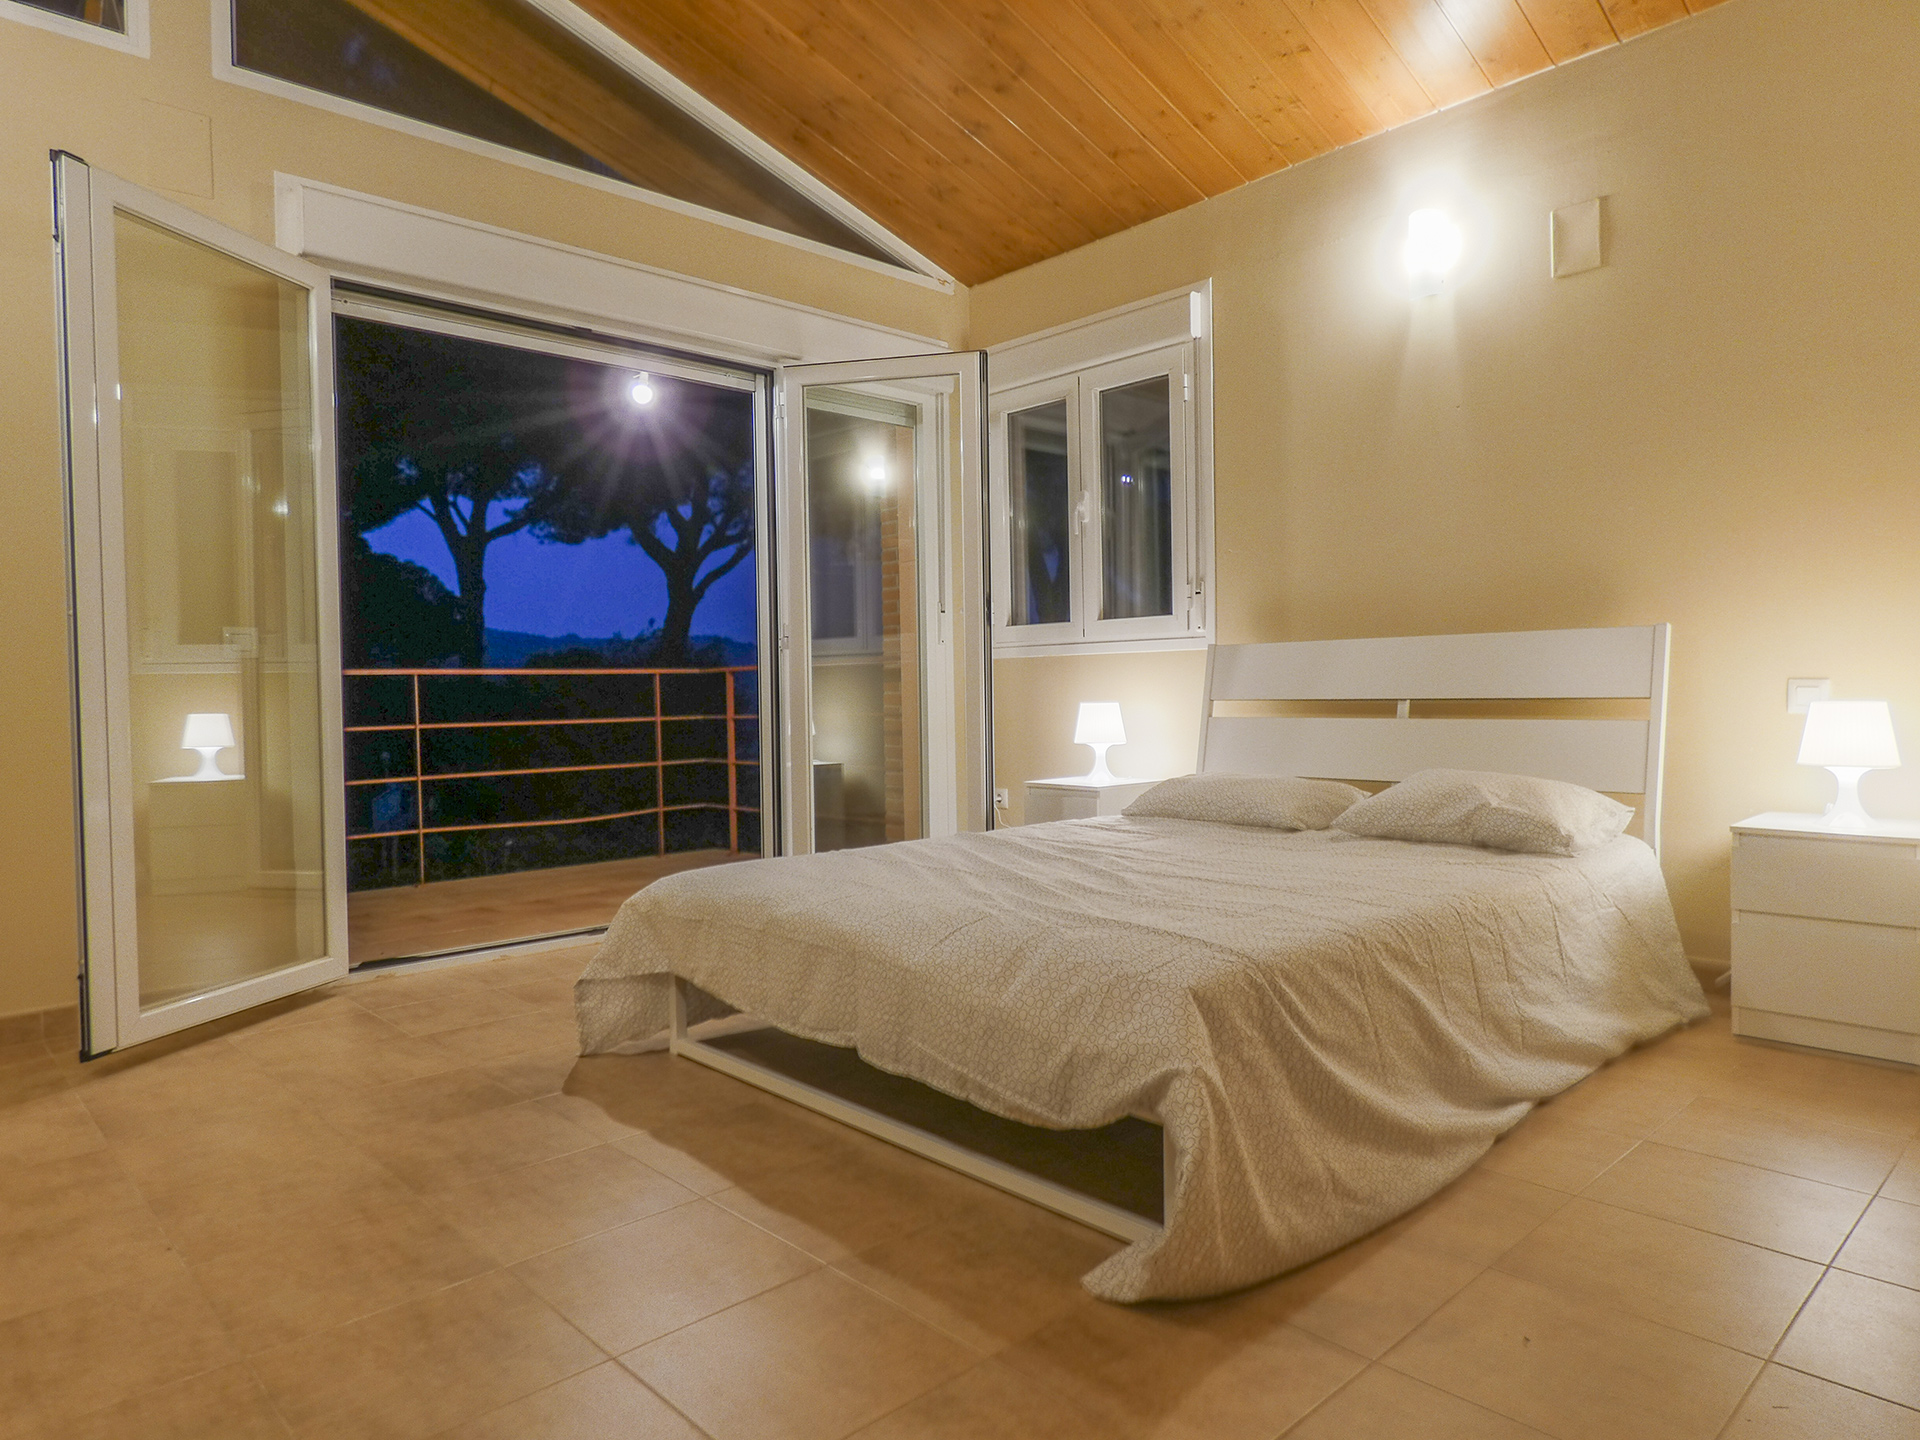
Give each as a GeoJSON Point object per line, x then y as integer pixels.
{"type": "Point", "coordinates": [659, 767]}
{"type": "Point", "coordinates": [419, 788]}
{"type": "Point", "coordinates": [733, 777]}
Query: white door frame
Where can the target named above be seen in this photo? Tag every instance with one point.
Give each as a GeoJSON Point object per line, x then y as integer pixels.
{"type": "Point", "coordinates": [85, 203]}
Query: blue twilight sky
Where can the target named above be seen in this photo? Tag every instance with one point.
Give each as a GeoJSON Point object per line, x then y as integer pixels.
{"type": "Point", "coordinates": [595, 589]}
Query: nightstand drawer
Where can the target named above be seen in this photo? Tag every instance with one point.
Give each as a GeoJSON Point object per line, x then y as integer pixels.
{"type": "Point", "coordinates": [1828, 878]}
{"type": "Point", "coordinates": [1858, 974]}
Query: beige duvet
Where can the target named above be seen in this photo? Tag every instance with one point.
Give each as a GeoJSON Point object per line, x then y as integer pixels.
{"type": "Point", "coordinates": [1329, 1028]}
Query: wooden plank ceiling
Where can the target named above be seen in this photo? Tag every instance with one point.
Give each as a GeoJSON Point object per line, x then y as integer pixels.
{"type": "Point", "coordinates": [990, 134]}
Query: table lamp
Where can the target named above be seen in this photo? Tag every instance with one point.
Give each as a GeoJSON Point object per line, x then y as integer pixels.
{"type": "Point", "coordinates": [1849, 737]}
{"type": "Point", "coordinates": [209, 733]}
{"type": "Point", "coordinates": [1099, 726]}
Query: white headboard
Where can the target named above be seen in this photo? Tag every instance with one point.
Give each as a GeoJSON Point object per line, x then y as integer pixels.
{"type": "Point", "coordinates": [1622, 756]}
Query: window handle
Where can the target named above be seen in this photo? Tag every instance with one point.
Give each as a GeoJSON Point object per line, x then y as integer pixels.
{"type": "Point", "coordinates": [1082, 513]}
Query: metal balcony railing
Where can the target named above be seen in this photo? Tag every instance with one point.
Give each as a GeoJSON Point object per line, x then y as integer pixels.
{"type": "Point", "coordinates": [525, 750]}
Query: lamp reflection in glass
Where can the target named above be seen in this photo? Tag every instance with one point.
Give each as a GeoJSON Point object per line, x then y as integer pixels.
{"type": "Point", "coordinates": [1849, 737]}
{"type": "Point", "coordinates": [209, 733]}
{"type": "Point", "coordinates": [1099, 726]}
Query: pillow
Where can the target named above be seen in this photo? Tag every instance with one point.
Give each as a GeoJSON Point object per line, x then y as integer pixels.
{"type": "Point", "coordinates": [1501, 812]}
{"type": "Point", "coordinates": [1277, 802]}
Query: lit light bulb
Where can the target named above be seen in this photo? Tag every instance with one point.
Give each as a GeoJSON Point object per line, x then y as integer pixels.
{"type": "Point", "coordinates": [1432, 249]}
{"type": "Point", "coordinates": [1126, 479]}
{"type": "Point", "coordinates": [875, 474]}
{"type": "Point", "coordinates": [641, 392]}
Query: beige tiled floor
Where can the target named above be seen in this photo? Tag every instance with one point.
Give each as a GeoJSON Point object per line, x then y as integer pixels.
{"type": "Point", "coordinates": [405, 1208]}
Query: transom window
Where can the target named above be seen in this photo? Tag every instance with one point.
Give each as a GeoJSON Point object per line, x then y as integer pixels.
{"type": "Point", "coordinates": [121, 24]}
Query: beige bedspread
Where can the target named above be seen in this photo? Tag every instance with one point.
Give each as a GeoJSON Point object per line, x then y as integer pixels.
{"type": "Point", "coordinates": [1329, 1028]}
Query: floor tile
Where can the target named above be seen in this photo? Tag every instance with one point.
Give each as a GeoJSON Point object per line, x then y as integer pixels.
{"type": "Point", "coordinates": [224, 1404]}
{"type": "Point", "coordinates": [1370, 1294]}
{"type": "Point", "coordinates": [643, 1280]}
{"type": "Point", "coordinates": [1886, 1244]}
{"type": "Point", "coordinates": [810, 1360]}
{"type": "Point", "coordinates": [445, 1096]}
{"type": "Point", "coordinates": [1561, 1154]}
{"type": "Point", "coordinates": [1217, 1370]}
{"type": "Point", "coordinates": [96, 1351]}
{"type": "Point", "coordinates": [213, 1219]}
{"type": "Point", "coordinates": [515, 1035]}
{"type": "Point", "coordinates": [1574, 1369]}
{"type": "Point", "coordinates": [1787, 1405]}
{"type": "Point", "coordinates": [1620, 1102]}
{"type": "Point", "coordinates": [992, 1401]}
{"type": "Point", "coordinates": [410, 987]}
{"type": "Point", "coordinates": [456, 1010]}
{"type": "Point", "coordinates": [434, 1154]}
{"type": "Point", "coordinates": [988, 1278]}
{"type": "Point", "coordinates": [1383, 1404]}
{"type": "Point", "coordinates": [424, 1366]}
{"type": "Point", "coordinates": [355, 1048]}
{"type": "Point", "coordinates": [834, 1209]}
{"type": "Point", "coordinates": [715, 1150]}
{"type": "Point", "coordinates": [1862, 1333]}
{"type": "Point", "coordinates": [56, 1192]}
{"type": "Point", "coordinates": [1478, 1218]}
{"type": "Point", "coordinates": [1904, 1182]}
{"type": "Point", "coordinates": [604, 1403]}
{"type": "Point", "coordinates": [57, 1127]}
{"type": "Point", "coordinates": [1722, 1290]}
{"type": "Point", "coordinates": [1772, 1140]}
{"type": "Point", "coordinates": [533, 1074]}
{"type": "Point", "coordinates": [521, 1212]}
{"type": "Point", "coordinates": [1743, 1202]}
{"type": "Point", "coordinates": [311, 1278]}
{"type": "Point", "coordinates": [81, 1254]}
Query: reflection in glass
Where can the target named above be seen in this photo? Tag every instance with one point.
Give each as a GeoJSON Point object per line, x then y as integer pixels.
{"type": "Point", "coordinates": [866, 673]}
{"type": "Point", "coordinates": [1041, 506]}
{"type": "Point", "coordinates": [221, 614]}
{"type": "Point", "coordinates": [504, 72]}
{"type": "Point", "coordinates": [107, 14]}
{"type": "Point", "coordinates": [1136, 497]}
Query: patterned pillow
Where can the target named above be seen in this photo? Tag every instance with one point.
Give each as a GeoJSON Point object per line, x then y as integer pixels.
{"type": "Point", "coordinates": [1277, 802]}
{"type": "Point", "coordinates": [1500, 812]}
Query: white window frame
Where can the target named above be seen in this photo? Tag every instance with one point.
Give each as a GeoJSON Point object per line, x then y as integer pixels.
{"type": "Point", "coordinates": [1167, 335]}
{"type": "Point", "coordinates": [135, 40]}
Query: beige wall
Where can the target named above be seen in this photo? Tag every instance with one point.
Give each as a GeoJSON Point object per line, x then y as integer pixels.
{"type": "Point", "coordinates": [166, 123]}
{"type": "Point", "coordinates": [1721, 428]}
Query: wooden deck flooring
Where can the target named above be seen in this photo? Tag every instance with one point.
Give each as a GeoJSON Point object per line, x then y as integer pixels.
{"type": "Point", "coordinates": [496, 909]}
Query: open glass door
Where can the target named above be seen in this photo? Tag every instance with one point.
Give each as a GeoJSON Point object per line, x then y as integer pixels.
{"type": "Point", "coordinates": [883, 601]}
{"type": "Point", "coordinates": [200, 482]}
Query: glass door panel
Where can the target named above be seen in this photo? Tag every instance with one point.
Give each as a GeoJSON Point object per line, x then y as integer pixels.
{"type": "Point", "coordinates": [884, 602]}
{"type": "Point", "coordinates": [208, 695]}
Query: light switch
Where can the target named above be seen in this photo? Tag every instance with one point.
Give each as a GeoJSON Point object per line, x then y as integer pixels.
{"type": "Point", "coordinates": [1575, 238]}
{"type": "Point", "coordinates": [1801, 693]}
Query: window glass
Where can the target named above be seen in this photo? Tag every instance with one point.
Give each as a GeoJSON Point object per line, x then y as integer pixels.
{"type": "Point", "coordinates": [1136, 497]}
{"type": "Point", "coordinates": [107, 14]}
{"type": "Point", "coordinates": [1041, 507]}
{"type": "Point", "coordinates": [505, 73]}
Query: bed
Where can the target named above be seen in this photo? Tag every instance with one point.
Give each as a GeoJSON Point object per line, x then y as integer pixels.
{"type": "Point", "coordinates": [1326, 1028]}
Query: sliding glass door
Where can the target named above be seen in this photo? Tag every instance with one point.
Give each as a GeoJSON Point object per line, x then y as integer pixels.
{"type": "Point", "coordinates": [199, 407]}
{"type": "Point", "coordinates": [883, 622]}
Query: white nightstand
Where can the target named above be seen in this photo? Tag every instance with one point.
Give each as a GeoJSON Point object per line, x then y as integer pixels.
{"type": "Point", "coordinates": [1826, 935]}
{"type": "Point", "coordinates": [1077, 798]}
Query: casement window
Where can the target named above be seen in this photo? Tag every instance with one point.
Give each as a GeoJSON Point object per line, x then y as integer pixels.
{"type": "Point", "coordinates": [1101, 486]}
{"type": "Point", "coordinates": [119, 24]}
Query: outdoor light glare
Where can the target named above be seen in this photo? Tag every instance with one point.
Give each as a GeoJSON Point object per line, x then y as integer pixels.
{"type": "Point", "coordinates": [874, 472]}
{"type": "Point", "coordinates": [641, 392]}
{"type": "Point", "coordinates": [1432, 249]}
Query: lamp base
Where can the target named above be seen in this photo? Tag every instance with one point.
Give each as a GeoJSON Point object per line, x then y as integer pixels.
{"type": "Point", "coordinates": [1846, 812]}
{"type": "Point", "coordinates": [209, 765]}
{"type": "Point", "coordinates": [1099, 774]}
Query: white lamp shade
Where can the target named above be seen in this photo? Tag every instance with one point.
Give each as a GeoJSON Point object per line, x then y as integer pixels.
{"type": "Point", "coordinates": [1099, 724]}
{"type": "Point", "coordinates": [1854, 733]}
{"type": "Point", "coordinates": [209, 730]}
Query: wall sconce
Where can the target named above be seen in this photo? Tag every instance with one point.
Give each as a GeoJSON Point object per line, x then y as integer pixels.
{"type": "Point", "coordinates": [641, 391]}
{"type": "Point", "coordinates": [1099, 727]}
{"type": "Point", "coordinates": [1432, 248]}
{"type": "Point", "coordinates": [209, 733]}
{"type": "Point", "coordinates": [1849, 737]}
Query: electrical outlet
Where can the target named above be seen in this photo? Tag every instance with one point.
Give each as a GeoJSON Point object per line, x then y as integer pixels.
{"type": "Point", "coordinates": [1002, 798]}
{"type": "Point", "coordinates": [1800, 692]}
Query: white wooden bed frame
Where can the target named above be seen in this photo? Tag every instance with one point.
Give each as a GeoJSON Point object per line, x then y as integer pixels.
{"type": "Point", "coordinates": [1621, 756]}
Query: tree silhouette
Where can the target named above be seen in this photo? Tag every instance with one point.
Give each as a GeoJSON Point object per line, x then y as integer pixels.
{"type": "Point", "coordinates": [476, 437]}
{"type": "Point", "coordinates": [677, 476]}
